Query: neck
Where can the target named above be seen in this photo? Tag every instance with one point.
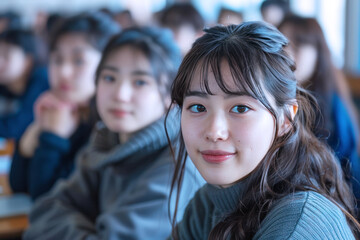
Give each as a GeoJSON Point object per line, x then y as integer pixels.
{"type": "Point", "coordinates": [123, 137]}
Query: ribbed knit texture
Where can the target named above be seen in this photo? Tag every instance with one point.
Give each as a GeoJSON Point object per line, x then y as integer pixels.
{"type": "Point", "coordinates": [302, 215]}
{"type": "Point", "coordinates": [143, 142]}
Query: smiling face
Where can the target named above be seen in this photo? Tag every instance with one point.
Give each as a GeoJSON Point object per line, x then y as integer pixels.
{"type": "Point", "coordinates": [128, 98]}
{"type": "Point", "coordinates": [226, 135]}
{"type": "Point", "coordinates": [73, 64]}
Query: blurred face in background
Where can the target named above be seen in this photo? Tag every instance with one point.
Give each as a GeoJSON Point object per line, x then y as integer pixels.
{"type": "Point", "coordinates": [73, 64]}
{"type": "Point", "coordinates": [184, 36]}
{"type": "Point", "coordinates": [305, 56]}
{"type": "Point", "coordinates": [13, 63]}
{"type": "Point", "coordinates": [273, 14]}
{"type": "Point", "coordinates": [128, 97]}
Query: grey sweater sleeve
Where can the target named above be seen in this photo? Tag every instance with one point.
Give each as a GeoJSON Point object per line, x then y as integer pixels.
{"type": "Point", "coordinates": [68, 211]}
{"type": "Point", "coordinates": [143, 212]}
{"type": "Point", "coordinates": [304, 215]}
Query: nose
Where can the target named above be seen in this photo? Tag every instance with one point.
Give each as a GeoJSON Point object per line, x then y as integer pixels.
{"type": "Point", "coordinates": [123, 92]}
{"type": "Point", "coordinates": [66, 71]}
{"type": "Point", "coordinates": [217, 128]}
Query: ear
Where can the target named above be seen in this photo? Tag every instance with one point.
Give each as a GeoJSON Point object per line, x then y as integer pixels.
{"type": "Point", "coordinates": [199, 34]}
{"type": "Point", "coordinates": [285, 125]}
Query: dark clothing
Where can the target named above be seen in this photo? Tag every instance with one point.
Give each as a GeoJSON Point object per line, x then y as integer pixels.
{"type": "Point", "coordinates": [118, 191]}
{"type": "Point", "coordinates": [53, 159]}
{"type": "Point", "coordinates": [16, 111]}
{"type": "Point", "coordinates": [301, 215]}
{"type": "Point", "coordinates": [344, 142]}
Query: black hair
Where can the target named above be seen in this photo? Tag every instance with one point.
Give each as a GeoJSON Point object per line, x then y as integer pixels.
{"type": "Point", "coordinates": [96, 26]}
{"type": "Point", "coordinates": [24, 39]}
{"type": "Point", "coordinates": [180, 14]}
{"type": "Point", "coordinates": [284, 5]}
{"type": "Point", "coordinates": [157, 45]}
{"type": "Point", "coordinates": [13, 20]}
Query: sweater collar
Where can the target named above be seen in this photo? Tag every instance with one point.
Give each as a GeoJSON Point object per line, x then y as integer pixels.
{"type": "Point", "coordinates": [106, 149]}
{"type": "Point", "coordinates": [226, 199]}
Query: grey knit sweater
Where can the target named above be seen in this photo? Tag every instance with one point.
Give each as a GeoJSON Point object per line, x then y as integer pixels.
{"type": "Point", "coordinates": [118, 191]}
{"type": "Point", "coordinates": [303, 215]}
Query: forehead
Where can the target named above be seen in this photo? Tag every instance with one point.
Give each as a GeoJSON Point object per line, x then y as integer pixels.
{"type": "Point", "coordinates": [73, 41]}
{"type": "Point", "coordinates": [208, 80]}
{"type": "Point", "coordinates": [127, 58]}
{"type": "Point", "coordinates": [205, 75]}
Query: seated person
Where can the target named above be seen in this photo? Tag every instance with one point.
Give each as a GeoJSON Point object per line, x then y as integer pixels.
{"type": "Point", "coordinates": [185, 22]}
{"type": "Point", "coordinates": [246, 126]}
{"type": "Point", "coordinates": [63, 119]}
{"type": "Point", "coordinates": [22, 80]}
{"type": "Point", "coordinates": [121, 186]}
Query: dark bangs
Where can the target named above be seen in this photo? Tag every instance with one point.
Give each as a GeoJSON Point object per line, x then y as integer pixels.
{"type": "Point", "coordinates": [253, 62]}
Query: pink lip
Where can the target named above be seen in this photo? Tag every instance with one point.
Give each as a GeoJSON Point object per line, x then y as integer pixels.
{"type": "Point", "coordinates": [118, 113]}
{"type": "Point", "coordinates": [216, 156]}
{"type": "Point", "coordinates": [65, 87]}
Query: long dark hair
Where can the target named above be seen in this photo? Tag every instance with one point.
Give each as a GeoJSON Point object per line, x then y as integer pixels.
{"type": "Point", "coordinates": [297, 160]}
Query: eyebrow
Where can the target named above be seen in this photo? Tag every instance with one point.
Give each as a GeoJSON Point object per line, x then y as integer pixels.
{"type": "Point", "coordinates": [136, 72]}
{"type": "Point", "coordinates": [206, 95]}
{"type": "Point", "coordinates": [76, 50]}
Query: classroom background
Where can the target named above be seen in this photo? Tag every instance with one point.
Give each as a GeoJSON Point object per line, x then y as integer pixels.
{"type": "Point", "coordinates": [339, 20]}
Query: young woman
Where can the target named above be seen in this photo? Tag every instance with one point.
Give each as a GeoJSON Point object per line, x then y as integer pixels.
{"type": "Point", "coordinates": [63, 122]}
{"type": "Point", "coordinates": [22, 80]}
{"type": "Point", "coordinates": [122, 183]}
{"type": "Point", "coordinates": [338, 124]}
{"type": "Point", "coordinates": [246, 125]}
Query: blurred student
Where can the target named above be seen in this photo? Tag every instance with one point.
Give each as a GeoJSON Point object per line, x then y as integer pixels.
{"type": "Point", "coordinates": [246, 126]}
{"type": "Point", "coordinates": [274, 11]}
{"type": "Point", "coordinates": [9, 20]}
{"type": "Point", "coordinates": [121, 186]}
{"type": "Point", "coordinates": [22, 80]}
{"type": "Point", "coordinates": [228, 16]}
{"type": "Point", "coordinates": [43, 31]}
{"type": "Point", "coordinates": [316, 72]}
{"type": "Point", "coordinates": [63, 121]}
{"type": "Point", "coordinates": [186, 23]}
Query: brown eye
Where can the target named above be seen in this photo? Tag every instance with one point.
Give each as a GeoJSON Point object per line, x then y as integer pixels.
{"type": "Point", "coordinates": [197, 108]}
{"type": "Point", "coordinates": [240, 109]}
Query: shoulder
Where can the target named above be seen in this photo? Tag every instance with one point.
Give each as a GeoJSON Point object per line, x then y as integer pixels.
{"type": "Point", "coordinates": [198, 217]}
{"type": "Point", "coordinates": [304, 215]}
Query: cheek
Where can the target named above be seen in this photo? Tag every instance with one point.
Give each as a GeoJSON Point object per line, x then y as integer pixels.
{"type": "Point", "coordinates": [190, 130]}
{"type": "Point", "coordinates": [53, 74]}
{"type": "Point", "coordinates": [247, 134]}
{"type": "Point", "coordinates": [148, 100]}
{"type": "Point", "coordinates": [101, 99]}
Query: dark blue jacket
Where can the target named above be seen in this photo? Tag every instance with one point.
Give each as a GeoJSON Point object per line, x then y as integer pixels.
{"type": "Point", "coordinates": [344, 142]}
{"type": "Point", "coordinates": [16, 111]}
{"type": "Point", "coordinates": [53, 159]}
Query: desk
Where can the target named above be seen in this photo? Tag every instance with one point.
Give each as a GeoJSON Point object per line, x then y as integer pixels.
{"type": "Point", "coordinates": [13, 227]}
{"type": "Point", "coordinates": [10, 227]}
